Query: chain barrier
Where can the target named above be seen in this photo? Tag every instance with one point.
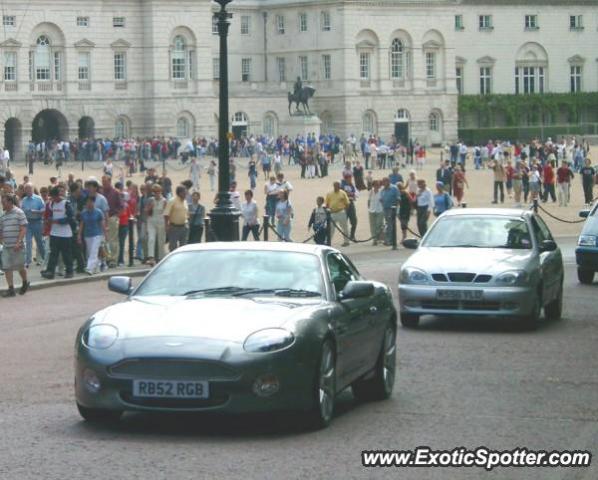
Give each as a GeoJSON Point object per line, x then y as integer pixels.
{"type": "Point", "coordinates": [271, 227]}
{"type": "Point", "coordinates": [581, 220]}
{"type": "Point", "coordinates": [417, 235]}
{"type": "Point", "coordinates": [335, 225]}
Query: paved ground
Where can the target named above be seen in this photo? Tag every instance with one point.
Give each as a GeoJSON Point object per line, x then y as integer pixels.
{"type": "Point", "coordinates": [467, 383]}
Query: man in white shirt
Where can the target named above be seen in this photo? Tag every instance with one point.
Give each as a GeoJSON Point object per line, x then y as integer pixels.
{"type": "Point", "coordinates": [425, 205]}
{"type": "Point", "coordinates": [61, 234]}
{"type": "Point", "coordinates": [376, 213]}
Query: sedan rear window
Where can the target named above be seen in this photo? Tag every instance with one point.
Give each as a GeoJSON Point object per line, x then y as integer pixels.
{"type": "Point", "coordinates": [479, 232]}
{"type": "Point", "coordinates": [241, 269]}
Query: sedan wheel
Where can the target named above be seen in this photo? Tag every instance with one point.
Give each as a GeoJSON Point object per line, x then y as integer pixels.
{"type": "Point", "coordinates": [409, 320]}
{"type": "Point", "coordinates": [99, 415]}
{"type": "Point", "coordinates": [325, 388]}
{"type": "Point", "coordinates": [585, 276]}
{"type": "Point", "coordinates": [532, 320]}
{"type": "Point", "coordinates": [554, 310]}
{"type": "Point", "coordinates": [381, 385]}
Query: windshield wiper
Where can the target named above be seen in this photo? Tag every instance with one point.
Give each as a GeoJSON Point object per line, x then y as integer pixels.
{"type": "Point", "coordinates": [279, 292]}
{"type": "Point", "coordinates": [208, 291]}
{"type": "Point", "coordinates": [463, 245]}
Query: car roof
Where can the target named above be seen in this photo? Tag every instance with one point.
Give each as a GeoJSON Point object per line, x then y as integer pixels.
{"type": "Point", "coordinates": [258, 246]}
{"type": "Point", "coordinates": [503, 212]}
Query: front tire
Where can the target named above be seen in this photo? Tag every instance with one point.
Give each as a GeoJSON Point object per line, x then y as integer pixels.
{"type": "Point", "coordinates": [324, 389]}
{"type": "Point", "coordinates": [409, 320]}
{"type": "Point", "coordinates": [531, 321]}
{"type": "Point", "coordinates": [99, 415]}
{"type": "Point", "coordinates": [554, 310]}
{"type": "Point", "coordinates": [381, 385]}
{"type": "Point", "coordinates": [585, 276]}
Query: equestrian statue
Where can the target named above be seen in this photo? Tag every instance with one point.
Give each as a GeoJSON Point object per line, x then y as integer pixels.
{"type": "Point", "coordinates": [300, 95]}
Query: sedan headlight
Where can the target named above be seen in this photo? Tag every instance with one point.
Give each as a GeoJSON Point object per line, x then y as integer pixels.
{"type": "Point", "coordinates": [268, 340]}
{"type": "Point", "coordinates": [587, 241]}
{"type": "Point", "coordinates": [413, 275]}
{"type": "Point", "coordinates": [513, 278]}
{"type": "Point", "coordinates": [100, 336]}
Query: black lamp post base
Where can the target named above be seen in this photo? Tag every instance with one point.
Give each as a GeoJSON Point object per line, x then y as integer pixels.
{"type": "Point", "coordinates": [224, 223]}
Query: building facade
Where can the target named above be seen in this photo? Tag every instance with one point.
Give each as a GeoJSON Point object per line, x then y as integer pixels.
{"type": "Point", "coordinates": [145, 67]}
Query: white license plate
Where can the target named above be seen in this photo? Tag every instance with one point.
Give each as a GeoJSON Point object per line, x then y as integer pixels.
{"type": "Point", "coordinates": [170, 389]}
{"type": "Point", "coordinates": [460, 294]}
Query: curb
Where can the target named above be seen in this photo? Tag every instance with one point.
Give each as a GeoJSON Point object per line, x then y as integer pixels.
{"type": "Point", "coordinates": [40, 285]}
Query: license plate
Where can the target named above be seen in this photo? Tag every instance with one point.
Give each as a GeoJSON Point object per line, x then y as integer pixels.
{"type": "Point", "coordinates": [170, 389]}
{"type": "Point", "coordinates": [460, 294]}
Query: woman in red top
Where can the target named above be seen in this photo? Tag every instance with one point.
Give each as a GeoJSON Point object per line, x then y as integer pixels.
{"type": "Point", "coordinates": [123, 223]}
{"type": "Point", "coordinates": [459, 183]}
{"type": "Point", "coordinates": [509, 172]}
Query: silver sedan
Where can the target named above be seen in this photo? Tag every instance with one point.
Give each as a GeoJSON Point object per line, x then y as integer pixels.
{"type": "Point", "coordinates": [483, 262]}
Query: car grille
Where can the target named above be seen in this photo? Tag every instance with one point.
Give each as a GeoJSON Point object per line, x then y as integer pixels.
{"type": "Point", "coordinates": [460, 305]}
{"type": "Point", "coordinates": [461, 277]}
{"type": "Point", "coordinates": [215, 401]}
{"type": "Point", "coordinates": [171, 369]}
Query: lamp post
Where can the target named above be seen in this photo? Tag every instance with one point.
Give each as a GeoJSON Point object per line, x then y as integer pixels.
{"type": "Point", "coordinates": [224, 217]}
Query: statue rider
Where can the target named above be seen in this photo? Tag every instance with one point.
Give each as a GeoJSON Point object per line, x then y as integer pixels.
{"type": "Point", "coordinates": [298, 86]}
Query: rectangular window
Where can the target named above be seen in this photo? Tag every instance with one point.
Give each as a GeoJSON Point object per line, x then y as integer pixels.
{"type": "Point", "coordinates": [364, 66]}
{"type": "Point", "coordinates": [529, 80]}
{"type": "Point", "coordinates": [280, 24]}
{"type": "Point", "coordinates": [459, 22]}
{"type": "Point", "coordinates": [540, 79]}
{"type": "Point", "coordinates": [485, 22]}
{"type": "Point", "coordinates": [326, 27]}
{"type": "Point", "coordinates": [10, 66]}
{"type": "Point", "coordinates": [517, 80]}
{"type": "Point", "coordinates": [191, 63]}
{"type": "Point", "coordinates": [430, 65]}
{"type": "Point", "coordinates": [245, 25]}
{"type": "Point", "coordinates": [83, 21]}
{"type": "Point", "coordinates": [575, 78]}
{"type": "Point", "coordinates": [57, 67]}
{"type": "Point", "coordinates": [327, 66]}
{"type": "Point", "coordinates": [485, 80]}
{"type": "Point", "coordinates": [282, 69]}
{"type": "Point", "coordinates": [83, 71]}
{"type": "Point", "coordinates": [303, 22]}
{"type": "Point", "coordinates": [31, 68]}
{"type": "Point", "coordinates": [9, 21]}
{"type": "Point", "coordinates": [120, 67]}
{"type": "Point", "coordinates": [214, 25]}
{"type": "Point", "coordinates": [303, 70]}
{"type": "Point", "coordinates": [531, 22]}
{"type": "Point", "coordinates": [118, 22]}
{"type": "Point", "coordinates": [576, 22]}
{"type": "Point", "coordinates": [215, 68]}
{"type": "Point", "coordinates": [459, 78]}
{"type": "Point", "coordinates": [246, 69]}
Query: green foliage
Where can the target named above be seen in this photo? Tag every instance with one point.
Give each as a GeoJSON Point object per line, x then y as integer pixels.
{"type": "Point", "coordinates": [473, 136]}
{"type": "Point", "coordinates": [517, 107]}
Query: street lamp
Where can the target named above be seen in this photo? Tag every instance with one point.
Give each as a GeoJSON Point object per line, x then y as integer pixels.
{"type": "Point", "coordinates": [224, 217]}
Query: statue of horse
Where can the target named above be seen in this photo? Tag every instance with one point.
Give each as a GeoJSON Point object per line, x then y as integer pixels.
{"type": "Point", "coordinates": [302, 97]}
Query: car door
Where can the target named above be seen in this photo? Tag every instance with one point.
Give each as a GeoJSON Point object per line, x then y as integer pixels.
{"type": "Point", "coordinates": [551, 263]}
{"type": "Point", "coordinates": [350, 320]}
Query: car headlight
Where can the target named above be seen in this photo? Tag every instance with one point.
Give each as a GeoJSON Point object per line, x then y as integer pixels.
{"type": "Point", "coordinates": [587, 241]}
{"type": "Point", "coordinates": [513, 278]}
{"type": "Point", "coordinates": [413, 275]}
{"type": "Point", "coordinates": [268, 340]}
{"type": "Point", "coordinates": [100, 336]}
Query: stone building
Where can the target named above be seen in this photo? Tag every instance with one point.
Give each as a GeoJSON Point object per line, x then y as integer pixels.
{"type": "Point", "coordinates": [142, 67]}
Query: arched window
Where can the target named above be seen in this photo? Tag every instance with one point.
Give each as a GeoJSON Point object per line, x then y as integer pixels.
{"type": "Point", "coordinates": [368, 123]}
{"type": "Point", "coordinates": [434, 122]}
{"type": "Point", "coordinates": [397, 59]}
{"type": "Point", "coordinates": [121, 128]}
{"type": "Point", "coordinates": [182, 128]}
{"type": "Point", "coordinates": [270, 125]}
{"type": "Point", "coordinates": [179, 59]}
{"type": "Point", "coordinates": [43, 58]}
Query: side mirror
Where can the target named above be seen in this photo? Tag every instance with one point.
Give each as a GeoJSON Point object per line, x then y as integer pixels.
{"type": "Point", "coordinates": [584, 213]}
{"type": "Point", "coordinates": [548, 246]}
{"type": "Point", "coordinates": [357, 290]}
{"type": "Point", "coordinates": [122, 285]}
{"type": "Point", "coordinates": [411, 243]}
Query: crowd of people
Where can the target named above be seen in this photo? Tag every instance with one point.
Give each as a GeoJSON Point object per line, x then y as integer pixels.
{"type": "Point", "coordinates": [87, 226]}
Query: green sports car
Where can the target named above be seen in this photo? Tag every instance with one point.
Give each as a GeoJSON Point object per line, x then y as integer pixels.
{"type": "Point", "coordinates": [239, 327]}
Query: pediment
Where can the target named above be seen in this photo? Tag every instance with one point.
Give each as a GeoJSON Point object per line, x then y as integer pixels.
{"type": "Point", "coordinates": [460, 60]}
{"type": "Point", "coordinates": [120, 43]}
{"type": "Point", "coordinates": [432, 45]}
{"type": "Point", "coordinates": [486, 60]}
{"type": "Point", "coordinates": [577, 59]}
{"type": "Point", "coordinates": [10, 43]}
{"type": "Point", "coordinates": [84, 43]}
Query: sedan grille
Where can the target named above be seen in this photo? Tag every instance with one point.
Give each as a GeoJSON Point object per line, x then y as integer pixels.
{"type": "Point", "coordinates": [187, 403]}
{"type": "Point", "coordinates": [460, 305]}
{"type": "Point", "coordinates": [157, 368]}
{"type": "Point", "coordinates": [461, 277]}
{"type": "Point", "coordinates": [439, 277]}
{"type": "Point", "coordinates": [483, 278]}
